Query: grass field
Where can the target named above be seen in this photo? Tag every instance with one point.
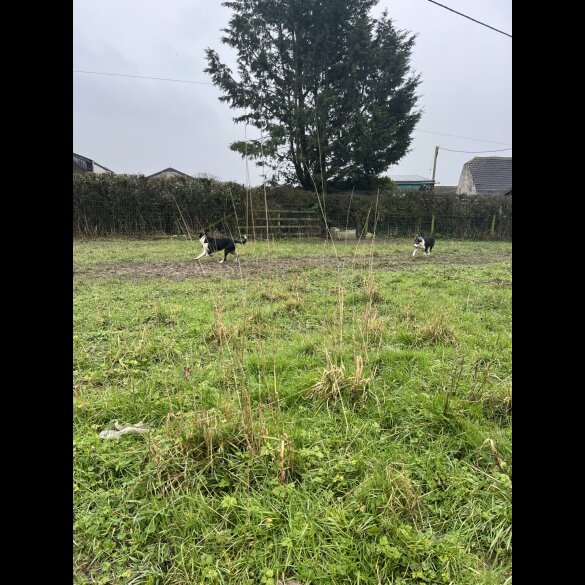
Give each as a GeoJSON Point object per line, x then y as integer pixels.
{"type": "Point", "coordinates": [330, 414]}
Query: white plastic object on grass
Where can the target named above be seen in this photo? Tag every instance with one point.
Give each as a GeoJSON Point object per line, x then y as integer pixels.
{"type": "Point", "coordinates": [121, 430]}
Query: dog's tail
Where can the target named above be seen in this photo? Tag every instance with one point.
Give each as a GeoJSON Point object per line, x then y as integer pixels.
{"type": "Point", "coordinates": [242, 241]}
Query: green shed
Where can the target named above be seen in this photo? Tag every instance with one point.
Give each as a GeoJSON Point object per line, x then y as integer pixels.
{"type": "Point", "coordinates": [412, 183]}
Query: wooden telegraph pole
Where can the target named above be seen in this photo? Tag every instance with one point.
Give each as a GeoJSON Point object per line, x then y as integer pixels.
{"type": "Point", "coordinates": [435, 165]}
{"type": "Point", "coordinates": [433, 187]}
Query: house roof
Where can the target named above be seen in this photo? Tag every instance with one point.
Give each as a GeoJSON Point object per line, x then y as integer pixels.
{"type": "Point", "coordinates": [82, 164]}
{"type": "Point", "coordinates": [491, 173]}
{"type": "Point", "coordinates": [410, 179]}
{"type": "Point", "coordinates": [102, 167]}
{"type": "Point", "coordinates": [170, 171]}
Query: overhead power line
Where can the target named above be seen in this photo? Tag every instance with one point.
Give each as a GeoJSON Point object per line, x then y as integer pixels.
{"type": "Point", "coordinates": [474, 151]}
{"type": "Point", "coordinates": [465, 16]}
{"type": "Point", "coordinates": [207, 83]}
{"type": "Point", "coordinates": [143, 77]}
{"type": "Point", "coordinates": [464, 137]}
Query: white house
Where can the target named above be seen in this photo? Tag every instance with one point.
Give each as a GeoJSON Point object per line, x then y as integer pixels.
{"type": "Point", "coordinates": [486, 175]}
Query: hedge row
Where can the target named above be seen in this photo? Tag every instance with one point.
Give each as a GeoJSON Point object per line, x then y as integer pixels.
{"type": "Point", "coordinates": [131, 205]}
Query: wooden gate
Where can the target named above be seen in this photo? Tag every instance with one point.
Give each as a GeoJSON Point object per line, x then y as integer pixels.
{"type": "Point", "coordinates": [283, 223]}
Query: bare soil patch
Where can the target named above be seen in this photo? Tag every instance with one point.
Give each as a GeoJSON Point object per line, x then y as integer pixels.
{"type": "Point", "coordinates": [255, 268]}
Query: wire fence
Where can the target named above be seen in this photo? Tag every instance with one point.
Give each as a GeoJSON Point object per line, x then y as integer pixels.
{"type": "Point", "coordinates": [305, 224]}
{"type": "Point", "coordinates": [456, 226]}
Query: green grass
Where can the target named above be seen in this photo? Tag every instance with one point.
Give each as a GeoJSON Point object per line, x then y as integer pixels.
{"type": "Point", "coordinates": [90, 252]}
{"type": "Point", "coordinates": [331, 421]}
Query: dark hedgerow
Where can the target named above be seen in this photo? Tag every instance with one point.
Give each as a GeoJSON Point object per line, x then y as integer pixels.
{"type": "Point", "coordinates": [132, 205]}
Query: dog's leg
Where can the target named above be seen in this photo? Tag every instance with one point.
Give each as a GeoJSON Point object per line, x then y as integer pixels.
{"type": "Point", "coordinates": [414, 253]}
{"type": "Point", "coordinates": [225, 253]}
{"type": "Point", "coordinates": [205, 251]}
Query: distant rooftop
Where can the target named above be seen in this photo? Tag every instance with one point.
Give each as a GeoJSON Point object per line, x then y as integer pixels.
{"type": "Point", "coordinates": [410, 179]}
{"type": "Point", "coordinates": [82, 164]}
{"type": "Point", "coordinates": [491, 173]}
{"type": "Point", "coordinates": [169, 172]}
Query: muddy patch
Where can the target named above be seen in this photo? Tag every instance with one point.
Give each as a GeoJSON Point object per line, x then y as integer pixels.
{"type": "Point", "coordinates": [254, 268]}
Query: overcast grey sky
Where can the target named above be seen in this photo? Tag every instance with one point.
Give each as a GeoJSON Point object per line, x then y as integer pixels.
{"type": "Point", "coordinates": [134, 125]}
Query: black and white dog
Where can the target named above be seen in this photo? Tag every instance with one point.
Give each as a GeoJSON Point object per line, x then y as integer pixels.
{"type": "Point", "coordinates": [211, 245]}
{"type": "Point", "coordinates": [424, 242]}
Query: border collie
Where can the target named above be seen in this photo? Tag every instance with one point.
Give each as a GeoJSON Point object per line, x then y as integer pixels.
{"type": "Point", "coordinates": [426, 242]}
{"type": "Point", "coordinates": [211, 245]}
